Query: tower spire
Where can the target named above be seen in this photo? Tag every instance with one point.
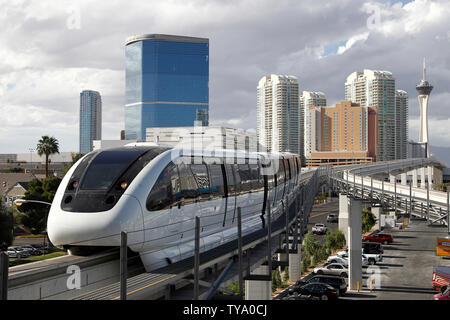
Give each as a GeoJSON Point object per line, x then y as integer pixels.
{"type": "Point", "coordinates": [424, 70]}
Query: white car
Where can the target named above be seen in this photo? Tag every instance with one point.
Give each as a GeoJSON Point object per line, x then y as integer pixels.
{"type": "Point", "coordinates": [344, 259]}
{"type": "Point", "coordinates": [319, 228]}
{"type": "Point", "coordinates": [371, 258]}
{"type": "Point", "coordinates": [335, 269]}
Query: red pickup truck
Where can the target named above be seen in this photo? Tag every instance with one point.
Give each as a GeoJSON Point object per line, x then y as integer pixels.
{"type": "Point", "coordinates": [379, 237]}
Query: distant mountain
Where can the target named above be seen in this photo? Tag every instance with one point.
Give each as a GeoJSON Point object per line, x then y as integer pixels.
{"type": "Point", "coordinates": [442, 153]}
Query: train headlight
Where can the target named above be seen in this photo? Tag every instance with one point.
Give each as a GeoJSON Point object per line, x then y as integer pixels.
{"type": "Point", "coordinates": [124, 185]}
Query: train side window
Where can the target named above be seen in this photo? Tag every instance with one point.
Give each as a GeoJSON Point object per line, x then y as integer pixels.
{"type": "Point", "coordinates": [189, 189]}
{"type": "Point", "coordinates": [281, 174]}
{"type": "Point", "coordinates": [256, 183]}
{"type": "Point", "coordinates": [288, 169]}
{"type": "Point", "coordinates": [246, 178]}
{"type": "Point", "coordinates": [217, 182]}
{"type": "Point", "coordinates": [165, 191]}
{"type": "Point", "coordinates": [201, 177]}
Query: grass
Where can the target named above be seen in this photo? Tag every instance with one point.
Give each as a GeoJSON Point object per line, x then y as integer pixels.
{"type": "Point", "coordinates": [37, 258]}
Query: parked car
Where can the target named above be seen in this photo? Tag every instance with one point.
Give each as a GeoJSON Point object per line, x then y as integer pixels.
{"type": "Point", "coordinates": [31, 250]}
{"type": "Point", "coordinates": [319, 228]}
{"type": "Point", "coordinates": [334, 269]}
{"type": "Point", "coordinates": [17, 252]}
{"type": "Point", "coordinates": [344, 260]}
{"type": "Point", "coordinates": [337, 259]}
{"type": "Point", "coordinates": [372, 258]}
{"type": "Point", "coordinates": [441, 277]}
{"type": "Point", "coordinates": [333, 217]}
{"type": "Point", "coordinates": [294, 288]}
{"type": "Point", "coordinates": [379, 237]}
{"type": "Point", "coordinates": [322, 290]}
{"type": "Point", "coordinates": [372, 247]}
{"type": "Point", "coordinates": [443, 295]}
{"type": "Point", "coordinates": [336, 282]}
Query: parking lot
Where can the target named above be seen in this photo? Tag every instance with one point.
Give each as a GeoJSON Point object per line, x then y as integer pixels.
{"type": "Point", "coordinates": [407, 268]}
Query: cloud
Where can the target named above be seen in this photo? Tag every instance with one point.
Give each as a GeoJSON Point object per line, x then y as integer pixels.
{"type": "Point", "coordinates": [47, 56]}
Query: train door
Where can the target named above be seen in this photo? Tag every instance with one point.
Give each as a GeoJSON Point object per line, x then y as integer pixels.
{"type": "Point", "coordinates": [231, 196]}
{"type": "Point", "coordinates": [218, 200]}
{"type": "Point", "coordinates": [189, 194]}
{"type": "Point", "coordinates": [201, 176]}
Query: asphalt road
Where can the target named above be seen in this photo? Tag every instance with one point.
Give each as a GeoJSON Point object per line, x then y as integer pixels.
{"type": "Point", "coordinates": [407, 268]}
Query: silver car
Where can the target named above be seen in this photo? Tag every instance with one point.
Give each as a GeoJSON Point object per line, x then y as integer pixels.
{"type": "Point", "coordinates": [16, 252]}
{"type": "Point", "coordinates": [334, 269]}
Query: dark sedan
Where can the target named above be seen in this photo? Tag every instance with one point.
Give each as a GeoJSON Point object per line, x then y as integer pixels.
{"type": "Point", "coordinates": [321, 290]}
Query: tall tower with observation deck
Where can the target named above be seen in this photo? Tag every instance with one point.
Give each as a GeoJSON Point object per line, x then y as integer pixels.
{"type": "Point", "coordinates": [424, 89]}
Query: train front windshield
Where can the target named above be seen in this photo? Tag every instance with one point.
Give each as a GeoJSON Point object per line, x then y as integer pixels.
{"type": "Point", "coordinates": [107, 167]}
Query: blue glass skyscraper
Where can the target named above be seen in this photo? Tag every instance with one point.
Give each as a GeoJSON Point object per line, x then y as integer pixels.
{"type": "Point", "coordinates": [90, 119]}
{"type": "Point", "coordinates": [167, 83]}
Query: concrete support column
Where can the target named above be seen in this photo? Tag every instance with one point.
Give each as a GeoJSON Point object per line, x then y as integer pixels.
{"type": "Point", "coordinates": [354, 244]}
{"type": "Point", "coordinates": [414, 178]}
{"type": "Point", "coordinates": [392, 178]}
{"type": "Point", "coordinates": [430, 177]}
{"type": "Point", "coordinates": [423, 185]}
{"type": "Point", "coordinates": [343, 215]}
{"type": "Point", "coordinates": [281, 257]}
{"type": "Point", "coordinates": [295, 265]}
{"type": "Point", "coordinates": [403, 179]}
{"type": "Point", "coordinates": [258, 290]}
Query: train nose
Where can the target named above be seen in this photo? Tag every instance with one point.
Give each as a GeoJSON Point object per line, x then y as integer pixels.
{"type": "Point", "coordinates": [97, 228]}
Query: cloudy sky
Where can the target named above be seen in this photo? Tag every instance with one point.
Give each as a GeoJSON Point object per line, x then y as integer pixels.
{"type": "Point", "coordinates": [52, 50]}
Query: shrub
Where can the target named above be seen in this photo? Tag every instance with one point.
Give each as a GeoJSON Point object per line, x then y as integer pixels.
{"type": "Point", "coordinates": [368, 220]}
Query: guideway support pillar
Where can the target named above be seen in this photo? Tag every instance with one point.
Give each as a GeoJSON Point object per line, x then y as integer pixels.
{"type": "Point", "coordinates": [354, 243]}
{"type": "Point", "coordinates": [343, 215]}
{"type": "Point", "coordinates": [256, 289]}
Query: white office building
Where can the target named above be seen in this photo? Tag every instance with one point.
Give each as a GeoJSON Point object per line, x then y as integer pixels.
{"type": "Point", "coordinates": [310, 121]}
{"type": "Point", "coordinates": [204, 138]}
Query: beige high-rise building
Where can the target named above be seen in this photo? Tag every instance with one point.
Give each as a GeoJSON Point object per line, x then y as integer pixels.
{"type": "Point", "coordinates": [347, 135]}
{"type": "Point", "coordinates": [278, 114]}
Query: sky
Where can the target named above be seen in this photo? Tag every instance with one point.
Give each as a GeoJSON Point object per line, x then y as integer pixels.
{"type": "Point", "coordinates": [52, 50]}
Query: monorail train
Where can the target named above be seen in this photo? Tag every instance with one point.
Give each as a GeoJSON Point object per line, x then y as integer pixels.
{"type": "Point", "coordinates": [154, 194]}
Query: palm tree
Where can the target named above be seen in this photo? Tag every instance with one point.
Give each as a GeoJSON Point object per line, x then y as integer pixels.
{"type": "Point", "coordinates": [48, 146]}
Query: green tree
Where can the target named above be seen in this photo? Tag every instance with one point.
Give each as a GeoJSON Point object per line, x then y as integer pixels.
{"type": "Point", "coordinates": [35, 214]}
{"type": "Point", "coordinates": [306, 263]}
{"type": "Point", "coordinates": [6, 226]}
{"type": "Point", "coordinates": [310, 244]}
{"type": "Point", "coordinates": [47, 146]}
{"type": "Point", "coordinates": [276, 280]}
{"type": "Point", "coordinates": [368, 220]}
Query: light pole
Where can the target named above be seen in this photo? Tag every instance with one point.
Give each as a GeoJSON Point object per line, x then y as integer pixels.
{"type": "Point", "coordinates": [19, 202]}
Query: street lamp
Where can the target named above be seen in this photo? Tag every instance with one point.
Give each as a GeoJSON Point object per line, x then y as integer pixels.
{"type": "Point", "coordinates": [19, 202]}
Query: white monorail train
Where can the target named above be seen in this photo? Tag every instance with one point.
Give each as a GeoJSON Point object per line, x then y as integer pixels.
{"type": "Point", "coordinates": [154, 194]}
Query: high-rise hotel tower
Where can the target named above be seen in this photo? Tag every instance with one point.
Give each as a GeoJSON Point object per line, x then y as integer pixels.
{"type": "Point", "coordinates": [278, 114]}
{"type": "Point", "coordinates": [90, 119]}
{"type": "Point", "coordinates": [373, 88]}
{"type": "Point", "coordinates": [167, 83]}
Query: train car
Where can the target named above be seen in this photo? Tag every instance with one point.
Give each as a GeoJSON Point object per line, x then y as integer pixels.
{"type": "Point", "coordinates": [154, 194]}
